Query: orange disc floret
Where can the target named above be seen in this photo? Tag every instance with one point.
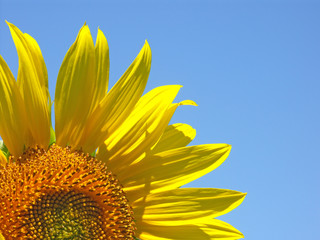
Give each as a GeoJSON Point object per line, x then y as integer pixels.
{"type": "Point", "coordinates": [60, 194]}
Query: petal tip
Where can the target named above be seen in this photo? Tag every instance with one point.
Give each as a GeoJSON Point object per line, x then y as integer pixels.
{"type": "Point", "coordinates": [188, 102]}
{"type": "Point", "coordinates": [146, 46]}
{"type": "Point", "coordinates": [9, 24]}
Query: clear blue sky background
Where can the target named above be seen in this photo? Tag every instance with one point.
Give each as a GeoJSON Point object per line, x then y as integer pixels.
{"type": "Point", "coordinates": [253, 69]}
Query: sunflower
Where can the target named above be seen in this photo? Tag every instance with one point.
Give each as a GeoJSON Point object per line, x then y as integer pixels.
{"type": "Point", "coordinates": [112, 167]}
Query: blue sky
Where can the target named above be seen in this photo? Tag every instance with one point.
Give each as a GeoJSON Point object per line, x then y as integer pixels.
{"type": "Point", "coordinates": [253, 69]}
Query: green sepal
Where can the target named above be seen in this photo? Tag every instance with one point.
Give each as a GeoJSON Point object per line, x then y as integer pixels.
{"type": "Point", "coordinates": [52, 136]}
{"type": "Point", "coordinates": [93, 154]}
{"type": "Point", "coordinates": [4, 149]}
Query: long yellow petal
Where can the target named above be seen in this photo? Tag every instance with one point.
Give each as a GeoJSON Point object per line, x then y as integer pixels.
{"type": "Point", "coordinates": [118, 103]}
{"type": "Point", "coordinates": [33, 84]}
{"type": "Point", "coordinates": [175, 136]}
{"type": "Point", "coordinates": [141, 130]}
{"type": "Point", "coordinates": [102, 68]}
{"type": "Point", "coordinates": [210, 229]}
{"type": "Point", "coordinates": [12, 117]}
{"type": "Point", "coordinates": [1, 237]}
{"type": "Point", "coordinates": [186, 205]}
{"type": "Point", "coordinates": [74, 89]}
{"type": "Point", "coordinates": [39, 63]}
{"type": "Point", "coordinates": [171, 169]}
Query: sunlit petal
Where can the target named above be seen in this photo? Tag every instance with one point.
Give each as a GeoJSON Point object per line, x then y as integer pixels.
{"type": "Point", "coordinates": [210, 229]}
{"type": "Point", "coordinates": [33, 84]}
{"type": "Point", "coordinates": [185, 205]}
{"type": "Point", "coordinates": [172, 169]}
{"type": "Point", "coordinates": [74, 90]}
{"type": "Point", "coordinates": [12, 115]}
{"type": "Point", "coordinates": [115, 107]}
{"type": "Point", "coordinates": [102, 68]}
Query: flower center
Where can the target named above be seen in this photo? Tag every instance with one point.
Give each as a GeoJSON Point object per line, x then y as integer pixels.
{"type": "Point", "coordinates": [65, 215]}
{"type": "Point", "coordinates": [60, 194]}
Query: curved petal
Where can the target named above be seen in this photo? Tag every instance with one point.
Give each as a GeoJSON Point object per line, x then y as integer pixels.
{"type": "Point", "coordinates": [12, 115]}
{"type": "Point", "coordinates": [141, 130]}
{"type": "Point", "coordinates": [39, 63]}
{"type": "Point", "coordinates": [33, 84]}
{"type": "Point", "coordinates": [211, 229]}
{"type": "Point", "coordinates": [186, 205]}
{"type": "Point", "coordinates": [74, 89]}
{"type": "Point", "coordinates": [172, 169]}
{"type": "Point", "coordinates": [175, 136]}
{"type": "Point", "coordinates": [115, 107]}
{"type": "Point", "coordinates": [102, 68]}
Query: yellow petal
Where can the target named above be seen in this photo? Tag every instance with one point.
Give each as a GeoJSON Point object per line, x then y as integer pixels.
{"type": "Point", "coordinates": [102, 68]}
{"type": "Point", "coordinates": [171, 169]}
{"type": "Point", "coordinates": [74, 89]}
{"type": "Point", "coordinates": [39, 63]}
{"type": "Point", "coordinates": [1, 237]}
{"type": "Point", "coordinates": [33, 84]}
{"type": "Point", "coordinates": [142, 129]}
{"type": "Point", "coordinates": [186, 205]}
{"type": "Point", "coordinates": [210, 229]}
{"type": "Point", "coordinates": [3, 160]}
{"type": "Point", "coordinates": [218, 229]}
{"type": "Point", "coordinates": [12, 115]}
{"type": "Point", "coordinates": [118, 103]}
{"type": "Point", "coordinates": [188, 102]}
{"type": "Point", "coordinates": [175, 136]}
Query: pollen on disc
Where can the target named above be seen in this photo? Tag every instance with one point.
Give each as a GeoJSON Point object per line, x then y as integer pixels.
{"type": "Point", "coordinates": [60, 194]}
